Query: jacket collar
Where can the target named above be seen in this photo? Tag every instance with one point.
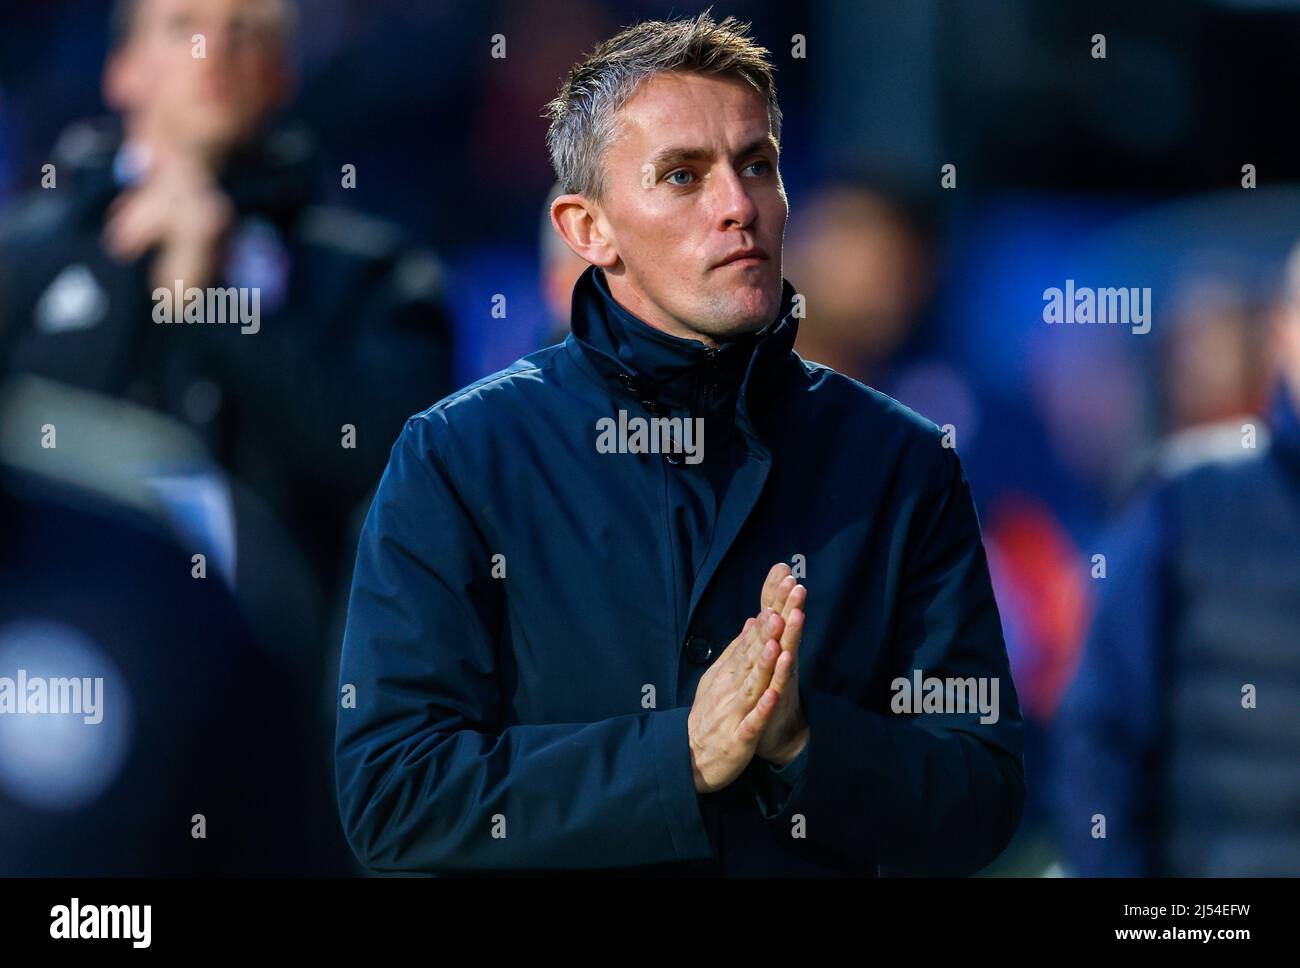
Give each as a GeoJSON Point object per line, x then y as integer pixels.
{"type": "Point", "coordinates": [659, 370]}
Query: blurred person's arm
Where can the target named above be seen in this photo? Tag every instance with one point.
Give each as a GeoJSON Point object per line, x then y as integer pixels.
{"type": "Point", "coordinates": [1106, 729]}
{"type": "Point", "coordinates": [426, 770]}
{"type": "Point", "coordinates": [927, 794]}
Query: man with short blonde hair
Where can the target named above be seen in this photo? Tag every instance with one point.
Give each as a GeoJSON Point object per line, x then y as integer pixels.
{"type": "Point", "coordinates": [547, 635]}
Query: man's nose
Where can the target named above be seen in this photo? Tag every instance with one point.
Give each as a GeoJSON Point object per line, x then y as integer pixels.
{"type": "Point", "coordinates": [734, 206]}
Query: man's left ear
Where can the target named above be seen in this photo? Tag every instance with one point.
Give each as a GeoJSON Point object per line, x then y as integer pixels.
{"type": "Point", "coordinates": [578, 221]}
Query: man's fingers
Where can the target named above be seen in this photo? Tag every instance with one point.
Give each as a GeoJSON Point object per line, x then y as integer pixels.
{"type": "Point", "coordinates": [736, 647]}
{"type": "Point", "coordinates": [798, 595]}
{"type": "Point", "coordinates": [783, 591]}
{"type": "Point", "coordinates": [754, 638]}
{"type": "Point", "coordinates": [736, 659]}
{"type": "Point", "coordinates": [784, 673]}
{"type": "Point", "coordinates": [778, 571]}
{"type": "Point", "coordinates": [793, 633]}
{"type": "Point", "coordinates": [751, 727]}
{"type": "Point", "coordinates": [769, 625]}
{"type": "Point", "coordinates": [761, 672]}
{"type": "Point", "coordinates": [745, 647]}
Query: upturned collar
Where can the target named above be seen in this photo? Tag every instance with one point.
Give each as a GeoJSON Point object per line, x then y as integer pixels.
{"type": "Point", "coordinates": [664, 372]}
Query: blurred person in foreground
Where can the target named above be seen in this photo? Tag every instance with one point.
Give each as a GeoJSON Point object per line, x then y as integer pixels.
{"type": "Point", "coordinates": [127, 673]}
{"type": "Point", "coordinates": [199, 187]}
{"type": "Point", "coordinates": [547, 633]}
{"type": "Point", "coordinates": [1179, 739]}
{"type": "Point", "coordinates": [141, 769]}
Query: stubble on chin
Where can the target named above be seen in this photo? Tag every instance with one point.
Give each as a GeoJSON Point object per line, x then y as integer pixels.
{"type": "Point", "coordinates": [748, 311]}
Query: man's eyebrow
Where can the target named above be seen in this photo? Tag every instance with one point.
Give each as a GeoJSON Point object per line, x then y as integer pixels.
{"type": "Point", "coordinates": [672, 155]}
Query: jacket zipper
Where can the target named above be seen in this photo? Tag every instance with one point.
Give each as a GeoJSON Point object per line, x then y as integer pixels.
{"type": "Point", "coordinates": [710, 374]}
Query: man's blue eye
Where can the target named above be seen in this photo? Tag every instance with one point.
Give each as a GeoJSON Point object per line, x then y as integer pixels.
{"type": "Point", "coordinates": [680, 171]}
{"type": "Point", "coordinates": [753, 163]}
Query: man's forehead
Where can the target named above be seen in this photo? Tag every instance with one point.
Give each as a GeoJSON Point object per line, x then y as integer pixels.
{"type": "Point", "coordinates": [691, 111]}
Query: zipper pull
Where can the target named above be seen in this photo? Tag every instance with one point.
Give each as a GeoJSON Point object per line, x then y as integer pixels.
{"type": "Point", "coordinates": [711, 352]}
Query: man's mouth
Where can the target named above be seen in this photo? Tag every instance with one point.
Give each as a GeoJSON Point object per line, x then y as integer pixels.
{"type": "Point", "coordinates": [744, 258]}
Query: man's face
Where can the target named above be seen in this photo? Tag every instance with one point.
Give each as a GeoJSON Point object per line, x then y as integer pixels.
{"type": "Point", "coordinates": [691, 180]}
{"type": "Point", "coordinates": [208, 103]}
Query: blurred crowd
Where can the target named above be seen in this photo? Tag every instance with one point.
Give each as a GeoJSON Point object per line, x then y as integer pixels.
{"type": "Point", "coordinates": [179, 504]}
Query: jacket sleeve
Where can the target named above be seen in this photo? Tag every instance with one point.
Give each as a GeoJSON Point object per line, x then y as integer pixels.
{"type": "Point", "coordinates": [428, 777]}
{"type": "Point", "coordinates": [934, 793]}
{"type": "Point", "coordinates": [772, 783]}
{"type": "Point", "coordinates": [1105, 735]}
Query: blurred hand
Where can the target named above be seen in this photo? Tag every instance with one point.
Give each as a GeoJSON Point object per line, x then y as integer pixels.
{"type": "Point", "coordinates": [179, 211]}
